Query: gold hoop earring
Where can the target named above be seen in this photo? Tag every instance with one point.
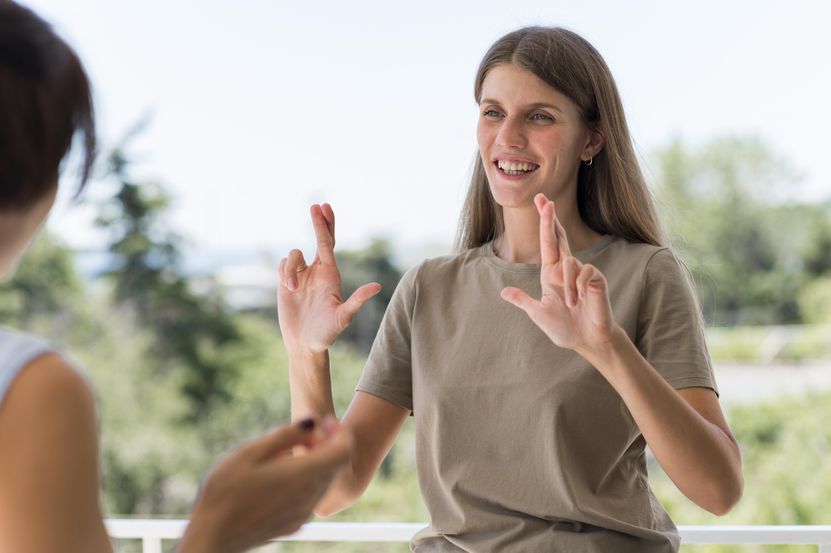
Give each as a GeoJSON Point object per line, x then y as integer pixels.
{"type": "Point", "coordinates": [589, 162]}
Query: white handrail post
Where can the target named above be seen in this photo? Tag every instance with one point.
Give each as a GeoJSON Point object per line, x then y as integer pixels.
{"type": "Point", "coordinates": [825, 548]}
{"type": "Point", "coordinates": [151, 545]}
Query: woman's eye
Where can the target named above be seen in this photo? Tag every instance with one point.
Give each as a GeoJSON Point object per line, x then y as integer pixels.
{"type": "Point", "coordinates": [490, 113]}
{"type": "Point", "coordinates": [542, 117]}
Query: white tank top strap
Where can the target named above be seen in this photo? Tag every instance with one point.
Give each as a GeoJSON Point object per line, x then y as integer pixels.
{"type": "Point", "coordinates": [16, 351]}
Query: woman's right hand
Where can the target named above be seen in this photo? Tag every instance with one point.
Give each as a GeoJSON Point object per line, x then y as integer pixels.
{"type": "Point", "coordinates": [259, 491]}
{"type": "Point", "coordinates": [310, 309]}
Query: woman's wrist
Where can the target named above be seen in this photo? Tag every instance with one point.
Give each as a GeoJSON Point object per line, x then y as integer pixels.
{"type": "Point", "coordinates": [604, 353]}
{"type": "Point", "coordinates": [202, 536]}
{"type": "Point", "coordinates": [305, 357]}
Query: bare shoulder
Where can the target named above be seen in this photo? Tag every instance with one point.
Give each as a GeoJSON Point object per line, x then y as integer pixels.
{"type": "Point", "coordinates": [49, 461]}
{"type": "Point", "coordinates": [47, 387]}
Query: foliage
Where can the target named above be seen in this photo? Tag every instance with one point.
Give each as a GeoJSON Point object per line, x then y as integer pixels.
{"type": "Point", "coordinates": [43, 282]}
{"type": "Point", "coordinates": [724, 205]}
{"type": "Point", "coordinates": [765, 344]}
{"type": "Point", "coordinates": [190, 329]}
{"type": "Point", "coordinates": [370, 264]}
{"type": "Point", "coordinates": [815, 300]}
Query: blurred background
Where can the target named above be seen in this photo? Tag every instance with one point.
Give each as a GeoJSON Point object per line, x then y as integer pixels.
{"type": "Point", "coordinates": [221, 122]}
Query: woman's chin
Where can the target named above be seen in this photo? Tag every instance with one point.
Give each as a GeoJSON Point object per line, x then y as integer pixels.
{"type": "Point", "coordinates": [509, 198]}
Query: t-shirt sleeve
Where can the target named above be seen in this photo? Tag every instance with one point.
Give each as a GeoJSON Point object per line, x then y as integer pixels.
{"type": "Point", "coordinates": [388, 371]}
{"type": "Point", "coordinates": [670, 326]}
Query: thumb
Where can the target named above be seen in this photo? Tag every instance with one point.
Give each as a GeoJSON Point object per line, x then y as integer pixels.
{"type": "Point", "coordinates": [349, 308]}
{"type": "Point", "coordinates": [279, 440]}
{"type": "Point", "coordinates": [519, 298]}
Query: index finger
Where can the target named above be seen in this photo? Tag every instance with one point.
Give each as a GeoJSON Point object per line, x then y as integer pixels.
{"type": "Point", "coordinates": [549, 253]}
{"type": "Point", "coordinates": [325, 238]}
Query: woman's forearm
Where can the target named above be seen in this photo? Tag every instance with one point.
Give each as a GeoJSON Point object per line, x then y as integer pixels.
{"type": "Point", "coordinates": [701, 458]}
{"type": "Point", "coordinates": [310, 384]}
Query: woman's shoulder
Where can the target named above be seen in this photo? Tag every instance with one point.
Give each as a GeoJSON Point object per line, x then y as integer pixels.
{"type": "Point", "coordinates": [30, 365]}
{"type": "Point", "coordinates": [443, 266]}
{"type": "Point", "coordinates": [635, 257]}
{"type": "Point", "coordinates": [17, 350]}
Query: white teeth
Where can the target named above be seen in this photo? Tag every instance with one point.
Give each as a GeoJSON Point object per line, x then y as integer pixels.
{"type": "Point", "coordinates": [514, 168]}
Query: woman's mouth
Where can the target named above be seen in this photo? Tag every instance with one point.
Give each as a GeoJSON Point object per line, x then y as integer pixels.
{"type": "Point", "coordinates": [515, 168]}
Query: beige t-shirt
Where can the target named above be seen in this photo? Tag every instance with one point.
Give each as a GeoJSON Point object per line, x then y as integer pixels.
{"type": "Point", "coordinates": [522, 445]}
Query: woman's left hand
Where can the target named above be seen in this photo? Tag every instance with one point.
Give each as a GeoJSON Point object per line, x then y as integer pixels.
{"type": "Point", "coordinates": [574, 310]}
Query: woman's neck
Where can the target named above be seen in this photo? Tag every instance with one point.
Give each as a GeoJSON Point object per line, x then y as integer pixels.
{"type": "Point", "coordinates": [520, 242]}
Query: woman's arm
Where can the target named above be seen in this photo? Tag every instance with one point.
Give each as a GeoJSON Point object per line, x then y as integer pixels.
{"type": "Point", "coordinates": [685, 429]}
{"type": "Point", "coordinates": [49, 463]}
{"type": "Point", "coordinates": [374, 423]}
{"type": "Point", "coordinates": [50, 483]}
{"type": "Point", "coordinates": [312, 315]}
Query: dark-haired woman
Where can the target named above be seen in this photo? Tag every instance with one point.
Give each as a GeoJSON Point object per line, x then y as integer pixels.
{"type": "Point", "coordinates": [541, 359]}
{"type": "Point", "coordinates": [49, 493]}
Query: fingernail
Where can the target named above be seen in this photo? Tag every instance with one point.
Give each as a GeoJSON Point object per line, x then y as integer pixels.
{"type": "Point", "coordinates": [307, 424]}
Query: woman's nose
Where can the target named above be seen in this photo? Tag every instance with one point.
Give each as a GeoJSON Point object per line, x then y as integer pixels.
{"type": "Point", "coordinates": [511, 135]}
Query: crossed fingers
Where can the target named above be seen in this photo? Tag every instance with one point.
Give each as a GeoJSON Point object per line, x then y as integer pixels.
{"type": "Point", "coordinates": [555, 251]}
{"type": "Point", "coordinates": [323, 220]}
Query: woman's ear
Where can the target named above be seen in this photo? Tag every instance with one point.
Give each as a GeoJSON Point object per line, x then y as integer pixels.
{"type": "Point", "coordinates": [593, 147]}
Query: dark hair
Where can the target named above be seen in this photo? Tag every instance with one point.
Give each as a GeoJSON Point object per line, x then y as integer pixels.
{"type": "Point", "coordinates": [612, 196]}
{"type": "Point", "coordinates": [45, 101]}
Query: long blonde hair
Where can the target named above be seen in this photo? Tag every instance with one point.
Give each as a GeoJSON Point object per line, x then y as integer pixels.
{"type": "Point", "coordinates": [612, 196]}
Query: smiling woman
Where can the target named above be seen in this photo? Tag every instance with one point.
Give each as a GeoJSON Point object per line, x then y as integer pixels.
{"type": "Point", "coordinates": [531, 415]}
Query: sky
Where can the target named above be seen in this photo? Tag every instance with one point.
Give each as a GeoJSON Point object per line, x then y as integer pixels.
{"type": "Point", "coordinates": [260, 108]}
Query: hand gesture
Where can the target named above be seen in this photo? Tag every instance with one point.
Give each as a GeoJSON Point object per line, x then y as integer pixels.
{"type": "Point", "coordinates": [259, 491]}
{"type": "Point", "coordinates": [574, 310]}
{"type": "Point", "coordinates": [310, 309]}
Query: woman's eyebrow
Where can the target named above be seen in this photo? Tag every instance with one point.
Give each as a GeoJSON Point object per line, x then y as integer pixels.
{"type": "Point", "coordinates": [534, 105]}
{"type": "Point", "coordinates": [545, 105]}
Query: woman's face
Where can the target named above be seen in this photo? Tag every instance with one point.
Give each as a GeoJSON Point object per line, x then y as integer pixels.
{"type": "Point", "coordinates": [531, 137]}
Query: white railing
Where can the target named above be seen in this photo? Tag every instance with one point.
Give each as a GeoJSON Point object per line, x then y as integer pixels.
{"type": "Point", "coordinates": [153, 531]}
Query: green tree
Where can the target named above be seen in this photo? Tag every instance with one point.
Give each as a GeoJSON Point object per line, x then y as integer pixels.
{"type": "Point", "coordinates": [370, 264]}
{"type": "Point", "coordinates": [148, 279]}
{"type": "Point", "coordinates": [723, 205]}
{"type": "Point", "coordinates": [42, 285]}
{"type": "Point", "coordinates": [818, 246]}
